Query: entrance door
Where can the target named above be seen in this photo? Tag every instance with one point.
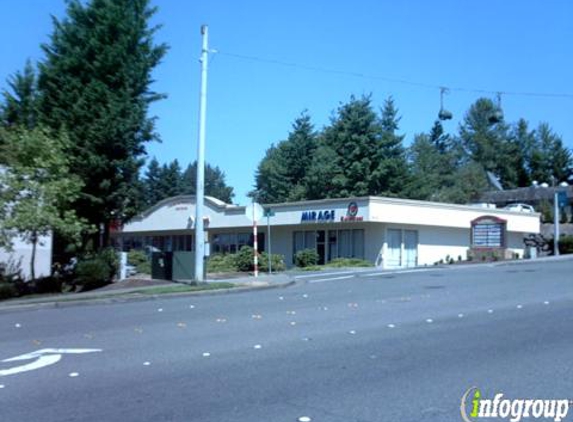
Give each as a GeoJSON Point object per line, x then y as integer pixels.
{"type": "Point", "coordinates": [410, 248]}
{"type": "Point", "coordinates": [393, 258]}
{"type": "Point", "coordinates": [320, 246]}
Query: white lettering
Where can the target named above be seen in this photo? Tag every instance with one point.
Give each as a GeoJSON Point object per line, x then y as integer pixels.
{"type": "Point", "coordinates": [562, 410]}
{"type": "Point", "coordinates": [516, 410]}
{"type": "Point", "coordinates": [537, 408]}
{"type": "Point", "coordinates": [485, 408]}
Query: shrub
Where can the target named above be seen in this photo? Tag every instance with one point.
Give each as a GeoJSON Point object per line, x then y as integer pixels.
{"type": "Point", "coordinates": [7, 290]}
{"type": "Point", "coordinates": [566, 244]}
{"type": "Point", "coordinates": [97, 269]}
{"type": "Point", "coordinates": [222, 263]}
{"type": "Point", "coordinates": [47, 285]}
{"type": "Point", "coordinates": [349, 262]}
{"type": "Point", "coordinates": [277, 262]}
{"type": "Point", "coordinates": [140, 261]}
{"type": "Point", "coordinates": [306, 258]}
{"type": "Point", "coordinates": [244, 259]}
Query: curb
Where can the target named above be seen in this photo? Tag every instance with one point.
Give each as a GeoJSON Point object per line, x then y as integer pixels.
{"type": "Point", "coordinates": [135, 297]}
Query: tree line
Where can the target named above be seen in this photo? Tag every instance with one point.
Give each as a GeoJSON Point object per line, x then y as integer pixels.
{"type": "Point", "coordinates": [74, 129]}
{"type": "Point", "coordinates": [361, 152]}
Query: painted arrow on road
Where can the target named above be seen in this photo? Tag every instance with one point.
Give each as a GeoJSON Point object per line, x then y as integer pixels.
{"type": "Point", "coordinates": [44, 357]}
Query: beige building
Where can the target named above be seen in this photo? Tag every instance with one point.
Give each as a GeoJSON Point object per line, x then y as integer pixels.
{"type": "Point", "coordinates": [391, 233]}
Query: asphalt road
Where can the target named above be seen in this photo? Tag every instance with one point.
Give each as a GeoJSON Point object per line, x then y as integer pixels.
{"type": "Point", "coordinates": [371, 347]}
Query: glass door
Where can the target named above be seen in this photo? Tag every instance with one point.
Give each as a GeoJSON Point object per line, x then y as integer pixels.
{"type": "Point", "coordinates": [393, 258]}
{"type": "Point", "coordinates": [410, 248]}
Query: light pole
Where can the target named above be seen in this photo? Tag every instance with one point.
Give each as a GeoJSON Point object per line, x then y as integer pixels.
{"type": "Point", "coordinates": [199, 194]}
{"type": "Point", "coordinates": [555, 211]}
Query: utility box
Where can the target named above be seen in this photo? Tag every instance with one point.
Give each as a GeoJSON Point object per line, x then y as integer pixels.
{"type": "Point", "coordinates": [183, 265]}
{"type": "Point", "coordinates": [162, 265]}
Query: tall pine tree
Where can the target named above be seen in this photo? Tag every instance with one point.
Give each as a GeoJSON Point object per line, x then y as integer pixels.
{"type": "Point", "coordinates": [281, 174]}
{"type": "Point", "coordinates": [95, 83]}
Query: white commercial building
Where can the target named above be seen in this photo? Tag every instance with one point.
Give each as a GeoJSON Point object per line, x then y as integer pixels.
{"type": "Point", "coordinates": [19, 258]}
{"type": "Point", "coordinates": [391, 233]}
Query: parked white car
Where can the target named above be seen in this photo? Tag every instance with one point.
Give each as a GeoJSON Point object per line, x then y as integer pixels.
{"type": "Point", "coordinates": [519, 208]}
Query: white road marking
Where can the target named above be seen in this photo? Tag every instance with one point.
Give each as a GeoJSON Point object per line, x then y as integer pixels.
{"type": "Point", "coordinates": [352, 332]}
{"type": "Point", "coordinates": [391, 326]}
{"type": "Point", "coordinates": [160, 310]}
{"type": "Point", "coordinates": [546, 302]}
{"type": "Point", "coordinates": [490, 311]}
{"type": "Point", "coordinates": [257, 346]}
{"type": "Point", "coordinates": [429, 320]}
{"type": "Point", "coordinates": [281, 298]}
{"type": "Point", "coordinates": [305, 295]}
{"type": "Point", "coordinates": [323, 274]}
{"type": "Point", "coordinates": [74, 374]}
{"type": "Point", "coordinates": [292, 323]}
{"type": "Point", "coordinates": [460, 315]}
{"type": "Point", "coordinates": [206, 354]}
{"type": "Point", "coordinates": [191, 306]}
{"type": "Point", "coordinates": [304, 419]}
{"type": "Point", "coordinates": [17, 325]}
{"type": "Point", "coordinates": [41, 362]}
{"type": "Point", "coordinates": [44, 357]}
{"type": "Point", "coordinates": [2, 386]}
{"type": "Point", "coordinates": [146, 363]}
{"type": "Point", "coordinates": [519, 306]}
{"type": "Point", "coordinates": [322, 280]}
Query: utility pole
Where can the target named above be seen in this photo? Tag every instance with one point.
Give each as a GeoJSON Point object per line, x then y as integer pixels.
{"type": "Point", "coordinates": [200, 191]}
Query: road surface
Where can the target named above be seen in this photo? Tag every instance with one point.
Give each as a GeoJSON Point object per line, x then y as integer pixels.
{"type": "Point", "coordinates": [366, 347]}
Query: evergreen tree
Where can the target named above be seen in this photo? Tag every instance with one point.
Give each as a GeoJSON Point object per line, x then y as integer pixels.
{"type": "Point", "coordinates": [281, 173]}
{"type": "Point", "coordinates": [271, 180]}
{"type": "Point", "coordinates": [151, 183]}
{"type": "Point", "coordinates": [95, 83]}
{"type": "Point", "coordinates": [525, 141]}
{"type": "Point", "coordinates": [365, 153]}
{"type": "Point", "coordinates": [20, 107]}
{"type": "Point", "coordinates": [324, 176]}
{"type": "Point", "coordinates": [391, 173]}
{"type": "Point", "coordinates": [169, 180]}
{"type": "Point", "coordinates": [488, 142]}
{"type": "Point", "coordinates": [550, 159]}
{"type": "Point", "coordinates": [215, 184]}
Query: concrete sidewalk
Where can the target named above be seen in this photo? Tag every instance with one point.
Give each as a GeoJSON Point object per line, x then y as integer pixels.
{"type": "Point", "coordinates": [114, 293]}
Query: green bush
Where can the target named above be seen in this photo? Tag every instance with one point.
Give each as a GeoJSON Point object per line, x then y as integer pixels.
{"type": "Point", "coordinates": [140, 261]}
{"type": "Point", "coordinates": [306, 258]}
{"type": "Point", "coordinates": [7, 290]}
{"type": "Point", "coordinates": [349, 262]}
{"type": "Point", "coordinates": [97, 269]}
{"type": "Point", "coordinates": [277, 262]}
{"type": "Point", "coordinates": [47, 285]}
{"type": "Point", "coordinates": [244, 259]}
{"type": "Point", "coordinates": [566, 244]}
{"type": "Point", "coordinates": [222, 263]}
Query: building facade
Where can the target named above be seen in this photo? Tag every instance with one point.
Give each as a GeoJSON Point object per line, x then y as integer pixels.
{"type": "Point", "coordinates": [390, 233]}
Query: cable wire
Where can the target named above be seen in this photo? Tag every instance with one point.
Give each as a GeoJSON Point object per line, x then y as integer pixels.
{"type": "Point", "coordinates": [393, 80]}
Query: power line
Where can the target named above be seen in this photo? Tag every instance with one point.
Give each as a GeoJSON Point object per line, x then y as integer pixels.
{"type": "Point", "coordinates": [393, 80]}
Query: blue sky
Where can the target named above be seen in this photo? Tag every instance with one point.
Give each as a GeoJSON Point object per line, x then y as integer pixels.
{"type": "Point", "coordinates": [508, 46]}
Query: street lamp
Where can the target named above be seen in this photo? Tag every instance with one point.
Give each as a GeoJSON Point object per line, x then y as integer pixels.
{"type": "Point", "coordinates": [555, 211]}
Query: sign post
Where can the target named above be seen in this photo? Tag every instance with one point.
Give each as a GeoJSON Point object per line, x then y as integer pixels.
{"type": "Point", "coordinates": [254, 212]}
{"type": "Point", "coordinates": [269, 213]}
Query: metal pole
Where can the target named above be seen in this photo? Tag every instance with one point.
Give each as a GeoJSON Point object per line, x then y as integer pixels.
{"type": "Point", "coordinates": [255, 244]}
{"type": "Point", "coordinates": [556, 222]}
{"type": "Point", "coordinates": [269, 239]}
{"type": "Point", "coordinates": [199, 195]}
